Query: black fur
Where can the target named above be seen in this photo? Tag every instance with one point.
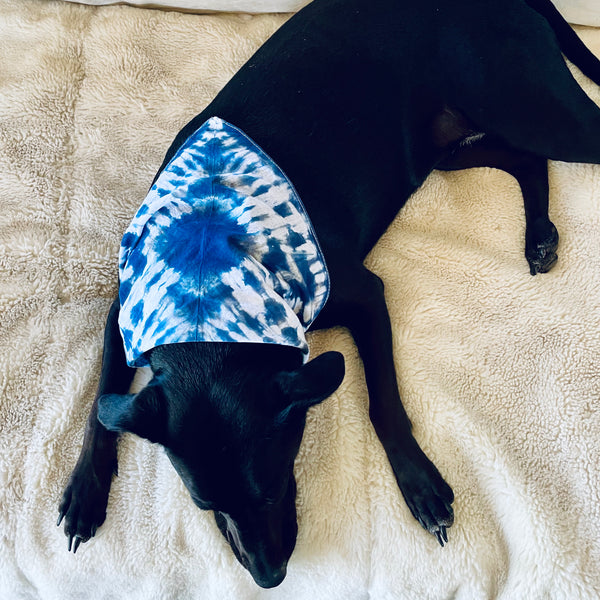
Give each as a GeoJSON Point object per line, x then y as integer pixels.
{"type": "Point", "coordinates": [357, 101]}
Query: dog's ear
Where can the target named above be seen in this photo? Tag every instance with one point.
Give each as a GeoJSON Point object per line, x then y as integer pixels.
{"type": "Point", "coordinates": [312, 382]}
{"type": "Point", "coordinates": [142, 413]}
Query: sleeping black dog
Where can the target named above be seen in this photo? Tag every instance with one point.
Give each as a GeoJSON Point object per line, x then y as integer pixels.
{"type": "Point", "coordinates": [257, 225]}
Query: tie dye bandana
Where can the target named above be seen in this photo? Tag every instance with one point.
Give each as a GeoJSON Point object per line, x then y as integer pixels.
{"type": "Point", "coordinates": [221, 250]}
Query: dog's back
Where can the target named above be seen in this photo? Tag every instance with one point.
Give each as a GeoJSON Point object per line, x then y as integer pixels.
{"type": "Point", "coordinates": [345, 103]}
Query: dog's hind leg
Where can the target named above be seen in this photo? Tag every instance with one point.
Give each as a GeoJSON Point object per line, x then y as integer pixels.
{"type": "Point", "coordinates": [531, 172]}
{"type": "Point", "coordinates": [84, 501]}
{"type": "Point", "coordinates": [517, 86]}
{"type": "Point", "coordinates": [536, 106]}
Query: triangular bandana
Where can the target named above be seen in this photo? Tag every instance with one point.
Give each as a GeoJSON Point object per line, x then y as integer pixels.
{"type": "Point", "coordinates": [221, 250]}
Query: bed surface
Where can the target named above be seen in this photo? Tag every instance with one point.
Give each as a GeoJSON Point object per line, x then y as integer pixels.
{"type": "Point", "coordinates": [498, 370]}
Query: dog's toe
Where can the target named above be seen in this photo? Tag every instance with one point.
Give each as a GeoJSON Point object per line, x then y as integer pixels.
{"type": "Point", "coordinates": [542, 259]}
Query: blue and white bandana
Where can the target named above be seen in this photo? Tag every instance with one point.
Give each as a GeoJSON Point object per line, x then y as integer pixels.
{"type": "Point", "coordinates": [221, 250]}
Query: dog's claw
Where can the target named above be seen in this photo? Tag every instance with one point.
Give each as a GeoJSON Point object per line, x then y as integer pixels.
{"type": "Point", "coordinates": [61, 516]}
{"type": "Point", "coordinates": [441, 535]}
{"type": "Point", "coordinates": [78, 541]}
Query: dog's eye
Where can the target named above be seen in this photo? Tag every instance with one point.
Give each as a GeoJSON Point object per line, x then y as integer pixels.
{"type": "Point", "coordinates": [274, 496]}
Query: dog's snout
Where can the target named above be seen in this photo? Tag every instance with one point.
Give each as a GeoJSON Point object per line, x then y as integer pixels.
{"type": "Point", "coordinates": [267, 563]}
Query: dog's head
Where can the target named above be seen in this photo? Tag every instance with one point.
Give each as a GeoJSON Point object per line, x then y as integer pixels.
{"type": "Point", "coordinates": [231, 419]}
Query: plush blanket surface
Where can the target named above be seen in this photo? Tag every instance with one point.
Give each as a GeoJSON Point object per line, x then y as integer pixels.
{"type": "Point", "coordinates": [499, 370]}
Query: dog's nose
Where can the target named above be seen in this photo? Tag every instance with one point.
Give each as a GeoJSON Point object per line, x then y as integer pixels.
{"type": "Point", "coordinates": [271, 578]}
{"type": "Point", "coordinates": [258, 564]}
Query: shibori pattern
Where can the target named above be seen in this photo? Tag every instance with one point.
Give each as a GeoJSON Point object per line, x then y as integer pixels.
{"type": "Point", "coordinates": [221, 250]}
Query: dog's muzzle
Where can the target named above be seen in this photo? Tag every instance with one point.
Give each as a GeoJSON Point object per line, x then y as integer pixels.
{"type": "Point", "coordinates": [261, 549]}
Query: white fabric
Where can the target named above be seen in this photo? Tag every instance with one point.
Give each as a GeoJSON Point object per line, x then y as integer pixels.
{"type": "Point", "coordinates": [249, 6]}
{"type": "Point", "coordinates": [499, 370]}
{"type": "Point", "coordinates": [583, 12]}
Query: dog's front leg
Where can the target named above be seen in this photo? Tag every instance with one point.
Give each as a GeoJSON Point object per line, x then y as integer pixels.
{"type": "Point", "coordinates": [84, 501]}
{"type": "Point", "coordinates": [364, 309]}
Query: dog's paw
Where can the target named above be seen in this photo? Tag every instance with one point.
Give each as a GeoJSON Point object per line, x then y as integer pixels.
{"type": "Point", "coordinates": [427, 495]}
{"type": "Point", "coordinates": [540, 246]}
{"type": "Point", "coordinates": [83, 503]}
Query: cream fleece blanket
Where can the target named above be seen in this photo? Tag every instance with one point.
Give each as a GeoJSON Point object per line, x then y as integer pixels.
{"type": "Point", "coordinates": [499, 370]}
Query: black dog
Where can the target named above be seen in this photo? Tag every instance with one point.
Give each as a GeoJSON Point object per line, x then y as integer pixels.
{"type": "Point", "coordinates": [357, 101]}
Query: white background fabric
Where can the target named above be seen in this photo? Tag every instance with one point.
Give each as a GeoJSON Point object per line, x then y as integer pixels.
{"type": "Point", "coordinates": [499, 370]}
{"type": "Point", "coordinates": [251, 6]}
{"type": "Point", "coordinates": [584, 12]}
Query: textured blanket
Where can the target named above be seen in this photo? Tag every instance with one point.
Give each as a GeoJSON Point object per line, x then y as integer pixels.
{"type": "Point", "coordinates": [499, 370]}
